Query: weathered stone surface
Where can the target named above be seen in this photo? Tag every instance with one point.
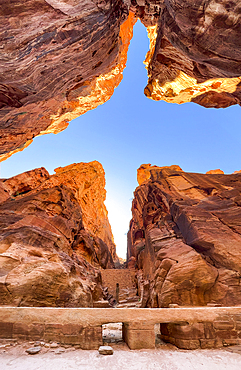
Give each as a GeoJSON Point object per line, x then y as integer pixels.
{"type": "Point", "coordinates": [195, 51]}
{"type": "Point", "coordinates": [66, 57]}
{"type": "Point", "coordinates": [185, 236]}
{"type": "Point", "coordinates": [54, 237]}
{"type": "Point", "coordinates": [58, 60]}
{"type": "Point", "coordinates": [33, 350]}
{"type": "Point", "coordinates": [105, 350]}
{"type": "Point", "coordinates": [82, 326]}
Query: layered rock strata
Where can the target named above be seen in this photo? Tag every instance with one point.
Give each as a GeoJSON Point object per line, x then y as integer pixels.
{"type": "Point", "coordinates": [185, 240]}
{"type": "Point", "coordinates": [195, 51]}
{"type": "Point", "coordinates": [54, 237]}
{"type": "Point", "coordinates": [60, 59]}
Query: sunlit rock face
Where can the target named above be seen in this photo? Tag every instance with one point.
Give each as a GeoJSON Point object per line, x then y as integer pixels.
{"type": "Point", "coordinates": [54, 237]}
{"type": "Point", "coordinates": [185, 242]}
{"type": "Point", "coordinates": [185, 236]}
{"type": "Point", "coordinates": [58, 60]}
{"type": "Point", "coordinates": [195, 51]}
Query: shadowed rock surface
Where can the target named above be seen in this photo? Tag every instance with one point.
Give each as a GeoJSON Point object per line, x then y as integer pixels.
{"type": "Point", "coordinates": [60, 59]}
{"type": "Point", "coordinates": [185, 239]}
{"type": "Point", "coordinates": [51, 247]}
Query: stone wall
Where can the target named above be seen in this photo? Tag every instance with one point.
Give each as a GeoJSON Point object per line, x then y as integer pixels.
{"type": "Point", "coordinates": [71, 334]}
{"type": "Point", "coordinates": [224, 331]}
{"type": "Point", "coordinates": [209, 327]}
{"type": "Point", "coordinates": [124, 277]}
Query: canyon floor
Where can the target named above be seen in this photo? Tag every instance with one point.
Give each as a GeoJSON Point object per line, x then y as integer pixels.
{"type": "Point", "coordinates": [13, 356]}
{"type": "Point", "coordinates": [165, 358]}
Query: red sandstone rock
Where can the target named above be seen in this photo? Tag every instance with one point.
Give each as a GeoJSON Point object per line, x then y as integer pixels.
{"type": "Point", "coordinates": [60, 59]}
{"type": "Point", "coordinates": [185, 235]}
{"type": "Point", "coordinates": [193, 43]}
{"type": "Point", "coordinates": [52, 53]}
{"type": "Point", "coordinates": [213, 172]}
{"type": "Point", "coordinates": [49, 255]}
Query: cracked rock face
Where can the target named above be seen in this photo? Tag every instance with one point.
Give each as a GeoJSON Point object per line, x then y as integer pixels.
{"type": "Point", "coordinates": [185, 237]}
{"type": "Point", "coordinates": [52, 248]}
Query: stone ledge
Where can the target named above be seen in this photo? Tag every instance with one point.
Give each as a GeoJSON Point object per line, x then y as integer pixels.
{"type": "Point", "coordinates": [99, 316]}
{"type": "Point", "coordinates": [208, 326]}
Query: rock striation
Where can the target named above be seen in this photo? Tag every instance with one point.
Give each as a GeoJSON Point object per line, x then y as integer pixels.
{"type": "Point", "coordinates": [60, 59]}
{"type": "Point", "coordinates": [185, 238]}
{"type": "Point", "coordinates": [54, 237]}
{"type": "Point", "coordinates": [195, 51]}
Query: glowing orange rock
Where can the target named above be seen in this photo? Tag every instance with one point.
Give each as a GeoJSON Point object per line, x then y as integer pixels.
{"type": "Point", "coordinates": [215, 172]}
{"type": "Point", "coordinates": [144, 171]}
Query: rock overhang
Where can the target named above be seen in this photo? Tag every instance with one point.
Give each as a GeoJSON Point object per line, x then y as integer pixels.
{"type": "Point", "coordinates": [67, 58]}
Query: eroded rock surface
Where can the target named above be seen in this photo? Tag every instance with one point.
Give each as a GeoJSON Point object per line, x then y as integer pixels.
{"type": "Point", "coordinates": [195, 51]}
{"type": "Point", "coordinates": [60, 59]}
{"type": "Point", "coordinates": [55, 237]}
{"type": "Point", "coordinates": [53, 55]}
{"type": "Point", "coordinates": [185, 239]}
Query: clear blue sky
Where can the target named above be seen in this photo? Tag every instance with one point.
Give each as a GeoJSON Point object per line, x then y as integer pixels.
{"type": "Point", "coordinates": [130, 130]}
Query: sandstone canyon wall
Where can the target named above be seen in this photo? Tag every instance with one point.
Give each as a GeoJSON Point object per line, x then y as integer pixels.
{"type": "Point", "coordinates": [185, 241]}
{"type": "Point", "coordinates": [60, 59]}
{"type": "Point", "coordinates": [55, 237]}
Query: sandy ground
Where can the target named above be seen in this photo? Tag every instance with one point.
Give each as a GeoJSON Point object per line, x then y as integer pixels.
{"type": "Point", "coordinates": [164, 357]}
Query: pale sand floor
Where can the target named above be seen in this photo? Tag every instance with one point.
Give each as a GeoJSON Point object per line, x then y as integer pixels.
{"type": "Point", "coordinates": [165, 357]}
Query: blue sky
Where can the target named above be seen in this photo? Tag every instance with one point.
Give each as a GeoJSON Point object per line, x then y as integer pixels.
{"type": "Point", "coordinates": [129, 130]}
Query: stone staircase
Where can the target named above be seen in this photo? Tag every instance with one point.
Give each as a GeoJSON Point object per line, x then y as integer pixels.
{"type": "Point", "coordinates": [124, 281]}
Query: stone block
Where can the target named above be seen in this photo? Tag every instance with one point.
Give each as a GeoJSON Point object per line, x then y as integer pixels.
{"type": "Point", "coordinates": [6, 330]}
{"type": "Point", "coordinates": [209, 331]}
{"type": "Point", "coordinates": [70, 339]}
{"type": "Point", "coordinates": [139, 338]}
{"type": "Point", "coordinates": [53, 328]}
{"type": "Point", "coordinates": [91, 337]}
{"type": "Point", "coordinates": [71, 329]}
{"type": "Point", "coordinates": [223, 325]}
{"type": "Point", "coordinates": [51, 337]}
{"type": "Point", "coordinates": [139, 325]}
{"type": "Point", "coordinates": [187, 344]}
{"type": "Point", "coordinates": [106, 350]}
{"type": "Point", "coordinates": [231, 342]}
{"type": "Point", "coordinates": [210, 343]}
{"type": "Point", "coordinates": [195, 331]}
{"type": "Point", "coordinates": [226, 334]}
{"type": "Point", "coordinates": [36, 331]}
{"type": "Point", "coordinates": [20, 329]}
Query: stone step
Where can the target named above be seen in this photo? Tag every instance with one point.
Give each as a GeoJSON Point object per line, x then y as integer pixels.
{"type": "Point", "coordinates": [127, 305]}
